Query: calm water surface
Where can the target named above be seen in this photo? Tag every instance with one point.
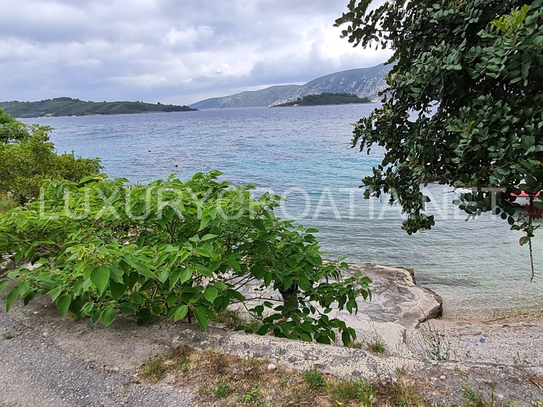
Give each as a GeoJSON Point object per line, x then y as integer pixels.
{"type": "Point", "coordinates": [304, 154]}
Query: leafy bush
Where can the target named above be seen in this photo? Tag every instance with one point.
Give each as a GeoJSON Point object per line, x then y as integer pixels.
{"type": "Point", "coordinates": [178, 249]}
{"type": "Point", "coordinates": [27, 158]}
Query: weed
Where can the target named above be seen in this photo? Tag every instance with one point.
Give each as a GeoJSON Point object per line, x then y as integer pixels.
{"type": "Point", "coordinates": [154, 368]}
{"type": "Point", "coordinates": [223, 389]}
{"type": "Point", "coordinates": [365, 393]}
{"type": "Point", "coordinates": [401, 392]}
{"type": "Point", "coordinates": [314, 378]}
{"type": "Point", "coordinates": [252, 396]}
{"type": "Point", "coordinates": [185, 367]}
{"type": "Point", "coordinates": [475, 398]}
{"type": "Point", "coordinates": [345, 391]}
{"type": "Point", "coordinates": [377, 346]}
{"type": "Point", "coordinates": [433, 345]}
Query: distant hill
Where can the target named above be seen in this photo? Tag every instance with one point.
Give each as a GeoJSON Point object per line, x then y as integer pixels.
{"type": "Point", "coordinates": [326, 99]}
{"type": "Point", "coordinates": [257, 98]}
{"type": "Point", "coordinates": [65, 106]}
{"type": "Point", "coordinates": [363, 82]}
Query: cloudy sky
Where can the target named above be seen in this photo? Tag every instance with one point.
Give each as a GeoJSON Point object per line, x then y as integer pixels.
{"type": "Point", "coordinates": [172, 51]}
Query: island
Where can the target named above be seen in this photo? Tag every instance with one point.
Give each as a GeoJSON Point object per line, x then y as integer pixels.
{"type": "Point", "coordinates": [65, 106]}
{"type": "Point", "coordinates": [326, 99]}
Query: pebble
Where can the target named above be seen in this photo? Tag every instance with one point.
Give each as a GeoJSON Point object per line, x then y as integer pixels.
{"type": "Point", "coordinates": [443, 377]}
{"type": "Point", "coordinates": [271, 367]}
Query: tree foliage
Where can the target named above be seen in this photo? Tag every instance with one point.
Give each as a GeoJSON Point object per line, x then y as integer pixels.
{"type": "Point", "coordinates": [27, 158]}
{"type": "Point", "coordinates": [463, 105]}
{"type": "Point", "coordinates": [184, 250]}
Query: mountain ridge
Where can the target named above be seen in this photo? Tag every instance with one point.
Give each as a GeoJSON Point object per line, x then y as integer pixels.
{"type": "Point", "coordinates": [362, 82]}
{"type": "Point", "coordinates": [255, 98]}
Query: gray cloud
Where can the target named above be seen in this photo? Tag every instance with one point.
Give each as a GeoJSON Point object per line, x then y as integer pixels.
{"type": "Point", "coordinates": [167, 50]}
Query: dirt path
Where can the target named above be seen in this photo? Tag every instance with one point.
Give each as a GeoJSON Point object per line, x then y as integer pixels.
{"type": "Point", "coordinates": [36, 371]}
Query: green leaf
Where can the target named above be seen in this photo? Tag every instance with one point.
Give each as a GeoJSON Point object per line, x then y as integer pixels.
{"type": "Point", "coordinates": [171, 299]}
{"type": "Point", "coordinates": [24, 288]}
{"type": "Point", "coordinates": [345, 338]}
{"type": "Point", "coordinates": [267, 278]}
{"type": "Point", "coordinates": [208, 237]}
{"type": "Point", "coordinates": [258, 271]}
{"type": "Point", "coordinates": [203, 270]}
{"type": "Point", "coordinates": [3, 284]}
{"type": "Point", "coordinates": [164, 275]}
{"type": "Point", "coordinates": [127, 309]}
{"type": "Point", "coordinates": [12, 297]}
{"type": "Point", "coordinates": [108, 316]}
{"type": "Point", "coordinates": [63, 304]}
{"type": "Point", "coordinates": [117, 290]}
{"type": "Point", "coordinates": [201, 316]}
{"type": "Point", "coordinates": [117, 273]}
{"type": "Point", "coordinates": [174, 277]}
{"type": "Point", "coordinates": [136, 298]}
{"type": "Point", "coordinates": [205, 221]}
{"type": "Point", "coordinates": [220, 285]}
{"type": "Point", "coordinates": [144, 270]}
{"type": "Point", "coordinates": [312, 230]}
{"type": "Point", "coordinates": [100, 277]}
{"type": "Point", "coordinates": [210, 294]}
{"type": "Point", "coordinates": [144, 316]}
{"type": "Point", "coordinates": [234, 263]}
{"type": "Point", "coordinates": [180, 313]}
{"type": "Point", "coordinates": [186, 275]}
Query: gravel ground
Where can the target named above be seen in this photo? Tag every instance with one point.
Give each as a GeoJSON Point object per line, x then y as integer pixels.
{"type": "Point", "coordinates": [493, 359]}
{"type": "Point", "coordinates": [34, 371]}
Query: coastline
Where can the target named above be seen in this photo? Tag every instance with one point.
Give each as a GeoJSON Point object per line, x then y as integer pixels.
{"type": "Point", "coordinates": [503, 357]}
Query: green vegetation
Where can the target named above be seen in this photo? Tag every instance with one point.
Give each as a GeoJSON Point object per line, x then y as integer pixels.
{"type": "Point", "coordinates": [471, 71]}
{"type": "Point", "coordinates": [326, 99]}
{"type": "Point", "coordinates": [222, 390]}
{"type": "Point", "coordinates": [314, 378]}
{"type": "Point", "coordinates": [65, 106]}
{"type": "Point", "coordinates": [154, 369]}
{"type": "Point", "coordinates": [175, 249]}
{"type": "Point", "coordinates": [227, 380]}
{"type": "Point", "coordinates": [28, 158]}
{"type": "Point", "coordinates": [377, 346]}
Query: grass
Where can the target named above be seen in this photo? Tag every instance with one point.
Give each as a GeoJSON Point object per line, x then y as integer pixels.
{"type": "Point", "coordinates": [377, 346]}
{"type": "Point", "coordinates": [226, 380]}
{"type": "Point", "coordinates": [222, 390]}
{"type": "Point", "coordinates": [155, 369]}
{"type": "Point", "coordinates": [475, 397]}
{"type": "Point", "coordinates": [433, 345]}
{"type": "Point", "coordinates": [314, 378]}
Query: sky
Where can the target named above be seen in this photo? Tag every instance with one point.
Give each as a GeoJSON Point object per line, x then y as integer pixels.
{"type": "Point", "coordinates": [168, 51]}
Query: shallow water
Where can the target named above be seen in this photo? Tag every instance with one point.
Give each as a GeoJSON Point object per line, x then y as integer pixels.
{"type": "Point", "coordinates": [304, 154]}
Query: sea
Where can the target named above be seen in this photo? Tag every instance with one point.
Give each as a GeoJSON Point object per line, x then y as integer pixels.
{"type": "Point", "coordinates": [305, 155]}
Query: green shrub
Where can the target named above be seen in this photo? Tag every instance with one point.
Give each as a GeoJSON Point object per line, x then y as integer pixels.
{"type": "Point", "coordinates": [175, 249]}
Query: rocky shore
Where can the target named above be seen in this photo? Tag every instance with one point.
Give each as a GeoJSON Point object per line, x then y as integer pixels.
{"type": "Point", "coordinates": [64, 362]}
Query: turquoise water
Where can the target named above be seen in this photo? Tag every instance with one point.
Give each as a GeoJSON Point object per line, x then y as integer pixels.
{"type": "Point", "coordinates": [304, 154]}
